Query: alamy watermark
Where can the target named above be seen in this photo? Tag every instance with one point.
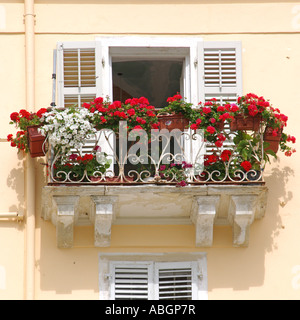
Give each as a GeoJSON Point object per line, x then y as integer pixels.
{"type": "Point", "coordinates": [162, 146]}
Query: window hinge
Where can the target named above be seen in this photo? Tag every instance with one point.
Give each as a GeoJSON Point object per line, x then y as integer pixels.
{"type": "Point", "coordinates": [196, 63]}
{"type": "Point", "coordinates": [108, 276]}
{"type": "Point", "coordinates": [200, 275]}
{"type": "Point", "coordinates": [103, 62]}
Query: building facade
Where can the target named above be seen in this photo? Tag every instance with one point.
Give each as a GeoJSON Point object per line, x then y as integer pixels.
{"type": "Point", "coordinates": [49, 250]}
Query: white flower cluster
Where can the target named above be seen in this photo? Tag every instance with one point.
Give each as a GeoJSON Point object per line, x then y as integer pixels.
{"type": "Point", "coordinates": [68, 128]}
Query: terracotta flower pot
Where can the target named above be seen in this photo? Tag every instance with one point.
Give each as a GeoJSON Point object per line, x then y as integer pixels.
{"type": "Point", "coordinates": [272, 140]}
{"type": "Point", "coordinates": [241, 122]}
{"type": "Point", "coordinates": [118, 179]}
{"type": "Point", "coordinates": [36, 142]}
{"type": "Point", "coordinates": [219, 125]}
{"type": "Point", "coordinates": [173, 121]}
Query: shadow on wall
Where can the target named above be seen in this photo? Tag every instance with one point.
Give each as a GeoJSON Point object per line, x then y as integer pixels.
{"type": "Point", "coordinates": [228, 267]}
{"type": "Point", "coordinates": [16, 181]}
{"type": "Point", "coordinates": [243, 268]}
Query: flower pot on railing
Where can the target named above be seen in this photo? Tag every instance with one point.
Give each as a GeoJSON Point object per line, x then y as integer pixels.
{"type": "Point", "coordinates": [173, 121]}
{"type": "Point", "coordinates": [220, 125]}
{"type": "Point", "coordinates": [36, 142]}
{"type": "Point", "coordinates": [241, 122]}
{"type": "Point", "coordinates": [117, 179]}
{"type": "Point", "coordinates": [272, 140]}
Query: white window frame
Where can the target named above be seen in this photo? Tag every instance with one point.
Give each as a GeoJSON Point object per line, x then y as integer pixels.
{"type": "Point", "coordinates": [167, 44]}
{"type": "Point", "coordinates": [191, 49]}
{"type": "Point", "coordinates": [196, 260]}
{"type": "Point", "coordinates": [193, 74]}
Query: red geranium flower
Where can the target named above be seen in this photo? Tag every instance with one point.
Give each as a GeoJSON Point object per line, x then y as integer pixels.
{"type": "Point", "coordinates": [41, 112]}
{"type": "Point", "coordinates": [246, 165]}
{"type": "Point", "coordinates": [210, 129]}
{"type": "Point", "coordinates": [15, 116]}
{"type": "Point", "coordinates": [131, 112]}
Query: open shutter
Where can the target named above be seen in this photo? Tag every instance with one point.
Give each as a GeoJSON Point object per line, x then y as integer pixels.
{"type": "Point", "coordinates": [220, 74]}
{"type": "Point", "coordinates": [175, 281]}
{"type": "Point", "coordinates": [79, 70]}
{"type": "Point", "coordinates": [220, 71]}
{"type": "Point", "coordinates": [131, 281]}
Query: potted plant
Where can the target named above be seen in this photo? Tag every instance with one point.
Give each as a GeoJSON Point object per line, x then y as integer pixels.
{"type": "Point", "coordinates": [137, 112]}
{"type": "Point", "coordinates": [275, 122]}
{"type": "Point", "coordinates": [211, 117]}
{"type": "Point", "coordinates": [176, 115]}
{"type": "Point", "coordinates": [90, 167]}
{"type": "Point", "coordinates": [28, 138]}
{"type": "Point", "coordinates": [249, 115]}
{"type": "Point", "coordinates": [175, 172]}
{"type": "Point", "coordinates": [67, 129]}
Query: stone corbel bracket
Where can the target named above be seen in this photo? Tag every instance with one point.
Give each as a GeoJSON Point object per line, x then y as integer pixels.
{"type": "Point", "coordinates": [203, 214]}
{"type": "Point", "coordinates": [102, 215]}
{"type": "Point", "coordinates": [66, 215]}
{"type": "Point", "coordinates": [242, 212]}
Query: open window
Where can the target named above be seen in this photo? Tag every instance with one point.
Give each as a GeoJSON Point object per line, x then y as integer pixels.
{"type": "Point", "coordinates": [154, 67]}
{"type": "Point", "coordinates": [151, 67]}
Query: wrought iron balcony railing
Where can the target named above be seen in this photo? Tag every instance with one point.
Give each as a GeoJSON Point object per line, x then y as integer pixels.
{"type": "Point", "coordinates": [173, 158]}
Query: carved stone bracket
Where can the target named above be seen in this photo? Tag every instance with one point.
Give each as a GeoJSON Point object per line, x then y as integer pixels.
{"type": "Point", "coordinates": [204, 206]}
{"type": "Point", "coordinates": [65, 220]}
{"type": "Point", "coordinates": [241, 215]}
{"type": "Point", "coordinates": [102, 216]}
{"type": "Point", "coordinates": [203, 216]}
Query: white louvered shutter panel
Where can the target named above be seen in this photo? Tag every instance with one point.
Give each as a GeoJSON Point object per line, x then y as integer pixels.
{"type": "Point", "coordinates": [79, 68]}
{"type": "Point", "coordinates": [220, 74]}
{"type": "Point", "coordinates": [220, 71]}
{"type": "Point", "coordinates": [131, 281]}
{"type": "Point", "coordinates": [175, 281]}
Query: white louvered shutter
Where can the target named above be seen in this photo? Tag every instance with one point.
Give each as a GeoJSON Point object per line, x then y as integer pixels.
{"type": "Point", "coordinates": [220, 74]}
{"type": "Point", "coordinates": [79, 68]}
{"type": "Point", "coordinates": [175, 281]}
{"type": "Point", "coordinates": [131, 281]}
{"type": "Point", "coordinates": [79, 80]}
{"type": "Point", "coordinates": [220, 71]}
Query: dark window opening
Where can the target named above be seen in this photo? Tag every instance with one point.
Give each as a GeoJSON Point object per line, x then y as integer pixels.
{"type": "Point", "coordinates": [154, 79]}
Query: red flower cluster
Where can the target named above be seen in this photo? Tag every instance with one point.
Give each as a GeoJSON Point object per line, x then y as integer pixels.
{"type": "Point", "coordinates": [253, 104]}
{"type": "Point", "coordinates": [22, 120]}
{"type": "Point", "coordinates": [246, 165]}
{"type": "Point", "coordinates": [176, 97]}
{"type": "Point", "coordinates": [225, 155]}
{"type": "Point", "coordinates": [213, 158]}
{"type": "Point", "coordinates": [138, 113]}
{"type": "Point", "coordinates": [86, 158]}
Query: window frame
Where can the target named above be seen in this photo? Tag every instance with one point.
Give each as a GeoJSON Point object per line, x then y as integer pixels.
{"type": "Point", "coordinates": [197, 261]}
{"type": "Point", "coordinates": [167, 44]}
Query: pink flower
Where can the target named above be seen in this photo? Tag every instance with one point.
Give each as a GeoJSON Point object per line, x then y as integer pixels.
{"type": "Point", "coordinates": [182, 183]}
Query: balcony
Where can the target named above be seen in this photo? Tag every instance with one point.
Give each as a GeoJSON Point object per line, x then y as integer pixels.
{"type": "Point", "coordinates": [184, 182]}
{"type": "Point", "coordinates": [124, 163]}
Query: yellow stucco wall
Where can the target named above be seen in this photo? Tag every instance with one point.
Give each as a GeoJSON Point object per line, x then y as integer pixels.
{"type": "Point", "coordinates": [270, 36]}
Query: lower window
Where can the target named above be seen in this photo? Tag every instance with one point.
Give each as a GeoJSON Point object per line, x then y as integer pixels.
{"type": "Point", "coordinates": [153, 277]}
